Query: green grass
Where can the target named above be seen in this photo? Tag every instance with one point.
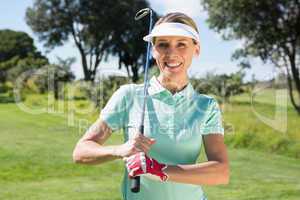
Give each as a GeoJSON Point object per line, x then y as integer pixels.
{"type": "Point", "coordinates": [35, 156]}
{"type": "Point", "coordinates": [258, 175]}
{"type": "Point", "coordinates": [256, 126]}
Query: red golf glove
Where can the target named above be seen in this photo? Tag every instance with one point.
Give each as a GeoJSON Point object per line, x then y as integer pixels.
{"type": "Point", "coordinates": [140, 164]}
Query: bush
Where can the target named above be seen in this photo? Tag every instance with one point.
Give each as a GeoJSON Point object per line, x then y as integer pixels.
{"type": "Point", "coordinates": [243, 140]}
{"type": "Point", "coordinates": [98, 92]}
{"type": "Point", "coordinates": [79, 90]}
{"type": "Point", "coordinates": [6, 87]}
{"type": "Point", "coordinates": [294, 150]}
{"type": "Point", "coordinates": [106, 87]}
{"type": "Point", "coordinates": [279, 144]}
{"type": "Point", "coordinates": [223, 85]}
{"type": "Point", "coordinates": [266, 142]}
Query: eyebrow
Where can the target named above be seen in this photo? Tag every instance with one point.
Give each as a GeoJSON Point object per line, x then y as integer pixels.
{"type": "Point", "coordinates": [182, 40]}
{"type": "Point", "coordinates": [164, 40]}
{"type": "Point", "coordinates": [161, 40]}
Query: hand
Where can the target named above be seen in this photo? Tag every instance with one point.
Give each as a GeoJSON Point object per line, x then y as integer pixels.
{"type": "Point", "coordinates": [139, 143]}
{"type": "Point", "coordinates": [140, 164]}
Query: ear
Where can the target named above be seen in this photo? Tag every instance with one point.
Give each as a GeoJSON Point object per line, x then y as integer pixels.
{"type": "Point", "coordinates": [154, 52]}
{"type": "Point", "coordinates": [197, 50]}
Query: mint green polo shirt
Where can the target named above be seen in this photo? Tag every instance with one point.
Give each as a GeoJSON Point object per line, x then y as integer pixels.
{"type": "Point", "coordinates": [177, 122]}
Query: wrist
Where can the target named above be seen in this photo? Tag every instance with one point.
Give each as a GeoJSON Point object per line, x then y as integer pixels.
{"type": "Point", "coordinates": [173, 171]}
{"type": "Point", "coordinates": [158, 169]}
{"type": "Point", "coordinates": [116, 151]}
{"type": "Point", "coordinates": [164, 176]}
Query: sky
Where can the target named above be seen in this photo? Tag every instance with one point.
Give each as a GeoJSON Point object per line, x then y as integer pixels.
{"type": "Point", "coordinates": [215, 53]}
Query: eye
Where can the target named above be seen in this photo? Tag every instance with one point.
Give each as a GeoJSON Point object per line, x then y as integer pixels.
{"type": "Point", "coordinates": [162, 45]}
{"type": "Point", "coordinates": [181, 45]}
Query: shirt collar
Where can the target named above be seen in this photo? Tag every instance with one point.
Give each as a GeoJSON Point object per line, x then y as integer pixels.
{"type": "Point", "coordinates": [155, 87]}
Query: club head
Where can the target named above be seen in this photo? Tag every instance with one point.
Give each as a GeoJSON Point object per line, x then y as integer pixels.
{"type": "Point", "coordinates": [142, 13]}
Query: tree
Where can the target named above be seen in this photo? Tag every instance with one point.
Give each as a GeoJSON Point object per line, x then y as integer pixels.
{"type": "Point", "coordinates": [270, 29]}
{"type": "Point", "coordinates": [14, 43]}
{"type": "Point", "coordinates": [223, 86]}
{"type": "Point", "coordinates": [129, 47]}
{"type": "Point", "coordinates": [98, 29]}
{"type": "Point", "coordinates": [17, 54]}
{"type": "Point", "coordinates": [61, 73]}
{"type": "Point", "coordinates": [51, 77]}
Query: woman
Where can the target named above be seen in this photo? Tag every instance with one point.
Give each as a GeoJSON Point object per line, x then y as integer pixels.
{"type": "Point", "coordinates": [177, 121]}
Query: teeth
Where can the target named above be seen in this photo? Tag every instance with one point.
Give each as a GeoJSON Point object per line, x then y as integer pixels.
{"type": "Point", "coordinates": [173, 64]}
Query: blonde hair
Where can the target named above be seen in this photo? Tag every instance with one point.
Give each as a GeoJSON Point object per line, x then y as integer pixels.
{"type": "Point", "coordinates": [177, 17]}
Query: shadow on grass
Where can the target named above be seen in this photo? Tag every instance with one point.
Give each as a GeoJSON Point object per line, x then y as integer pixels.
{"type": "Point", "coordinates": [6, 99]}
{"type": "Point", "coordinates": [249, 103]}
{"type": "Point", "coordinates": [260, 105]}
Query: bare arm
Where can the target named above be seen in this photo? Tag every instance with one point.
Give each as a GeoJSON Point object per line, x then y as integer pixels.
{"type": "Point", "coordinates": [90, 148]}
{"type": "Point", "coordinates": [213, 172]}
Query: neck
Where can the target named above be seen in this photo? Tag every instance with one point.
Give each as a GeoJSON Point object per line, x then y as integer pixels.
{"type": "Point", "coordinates": [173, 84]}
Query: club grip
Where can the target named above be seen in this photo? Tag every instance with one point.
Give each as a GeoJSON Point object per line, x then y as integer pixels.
{"type": "Point", "coordinates": [141, 129]}
{"type": "Point", "coordinates": [135, 184]}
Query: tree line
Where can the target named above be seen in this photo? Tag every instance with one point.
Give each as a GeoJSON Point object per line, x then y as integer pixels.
{"type": "Point", "coordinates": [269, 30]}
{"type": "Point", "coordinates": [97, 28]}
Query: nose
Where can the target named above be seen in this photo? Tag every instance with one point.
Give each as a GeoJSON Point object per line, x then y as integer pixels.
{"type": "Point", "coordinates": [171, 51]}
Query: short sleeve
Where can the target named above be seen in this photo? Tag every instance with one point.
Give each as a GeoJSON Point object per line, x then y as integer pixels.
{"type": "Point", "coordinates": [213, 120]}
{"type": "Point", "coordinates": [115, 111]}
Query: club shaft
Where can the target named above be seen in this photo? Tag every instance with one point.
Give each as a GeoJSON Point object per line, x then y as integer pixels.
{"type": "Point", "coordinates": [135, 183]}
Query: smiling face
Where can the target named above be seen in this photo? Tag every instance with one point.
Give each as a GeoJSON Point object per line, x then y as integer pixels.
{"type": "Point", "coordinates": [174, 54]}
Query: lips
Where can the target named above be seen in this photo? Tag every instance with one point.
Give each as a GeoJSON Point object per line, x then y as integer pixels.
{"type": "Point", "coordinates": [173, 65]}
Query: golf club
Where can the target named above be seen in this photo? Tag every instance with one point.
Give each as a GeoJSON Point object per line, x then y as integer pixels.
{"type": "Point", "coordinates": [135, 183]}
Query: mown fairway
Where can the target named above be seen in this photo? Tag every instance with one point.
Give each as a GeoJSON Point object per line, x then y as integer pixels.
{"type": "Point", "coordinates": [35, 164]}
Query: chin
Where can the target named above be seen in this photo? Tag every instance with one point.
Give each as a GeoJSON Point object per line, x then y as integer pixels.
{"type": "Point", "coordinates": [178, 70]}
{"type": "Point", "coordinates": [172, 74]}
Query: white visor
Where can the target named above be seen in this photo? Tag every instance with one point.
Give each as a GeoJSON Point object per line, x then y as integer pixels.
{"type": "Point", "coordinates": [172, 29]}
